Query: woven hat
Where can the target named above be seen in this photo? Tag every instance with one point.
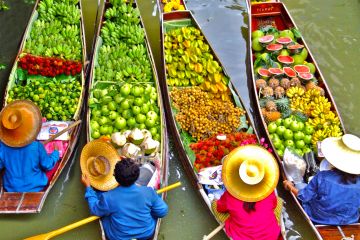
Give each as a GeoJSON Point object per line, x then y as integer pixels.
{"type": "Point", "coordinates": [20, 123]}
{"type": "Point", "coordinates": [343, 152]}
{"type": "Point", "coordinates": [97, 161]}
{"type": "Point", "coordinates": [250, 173]}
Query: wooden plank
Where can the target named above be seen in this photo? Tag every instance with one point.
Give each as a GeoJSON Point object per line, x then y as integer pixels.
{"type": "Point", "coordinates": [9, 202]}
{"type": "Point", "coordinates": [31, 202]}
{"type": "Point", "coordinates": [333, 233]}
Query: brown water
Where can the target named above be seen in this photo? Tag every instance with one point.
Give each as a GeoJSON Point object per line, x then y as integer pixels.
{"type": "Point", "coordinates": [332, 31]}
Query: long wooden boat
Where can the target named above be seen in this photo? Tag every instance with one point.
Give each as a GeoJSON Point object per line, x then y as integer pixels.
{"type": "Point", "coordinates": [185, 141]}
{"type": "Point", "coordinates": [162, 3]}
{"type": "Point", "coordinates": [276, 15]}
{"type": "Point", "coordinates": [161, 173]}
{"type": "Point", "coordinates": [32, 202]}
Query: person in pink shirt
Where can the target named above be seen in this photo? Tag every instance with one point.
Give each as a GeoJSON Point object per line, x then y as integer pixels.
{"type": "Point", "coordinates": [250, 174]}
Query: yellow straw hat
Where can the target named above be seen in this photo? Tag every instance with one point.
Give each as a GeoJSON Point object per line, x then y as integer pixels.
{"type": "Point", "coordinates": [343, 152]}
{"type": "Point", "coordinates": [97, 161]}
{"type": "Point", "coordinates": [20, 123]}
{"type": "Point", "coordinates": [250, 173]}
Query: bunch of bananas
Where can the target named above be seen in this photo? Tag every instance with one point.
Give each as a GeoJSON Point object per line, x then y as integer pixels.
{"type": "Point", "coordinates": [67, 13]}
{"type": "Point", "coordinates": [171, 5]}
{"type": "Point", "coordinates": [54, 39]}
{"type": "Point", "coordinates": [190, 62]}
{"type": "Point", "coordinates": [321, 134]}
{"type": "Point", "coordinates": [123, 13]}
{"type": "Point", "coordinates": [113, 34]}
{"type": "Point", "coordinates": [295, 92]}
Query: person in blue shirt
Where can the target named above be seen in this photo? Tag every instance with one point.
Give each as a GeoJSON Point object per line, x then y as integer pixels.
{"type": "Point", "coordinates": [332, 197]}
{"type": "Point", "coordinates": [23, 159]}
{"type": "Point", "coordinates": [127, 211]}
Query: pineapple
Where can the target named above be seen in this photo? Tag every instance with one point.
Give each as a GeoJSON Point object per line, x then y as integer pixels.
{"type": "Point", "coordinates": [271, 106]}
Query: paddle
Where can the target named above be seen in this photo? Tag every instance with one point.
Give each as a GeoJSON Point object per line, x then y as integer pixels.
{"type": "Point", "coordinates": [214, 232]}
{"type": "Point", "coordinates": [46, 236]}
{"type": "Point", "coordinates": [62, 131]}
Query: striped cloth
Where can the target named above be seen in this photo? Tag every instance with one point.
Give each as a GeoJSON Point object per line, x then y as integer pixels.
{"type": "Point", "coordinates": [221, 217]}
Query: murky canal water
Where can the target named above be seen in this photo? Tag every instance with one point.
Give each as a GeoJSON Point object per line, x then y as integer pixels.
{"type": "Point", "coordinates": [332, 31]}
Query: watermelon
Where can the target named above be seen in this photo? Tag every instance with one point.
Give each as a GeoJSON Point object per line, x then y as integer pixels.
{"type": "Point", "coordinates": [287, 60]}
{"type": "Point", "coordinates": [284, 40]}
{"type": "Point", "coordinates": [295, 48]}
{"type": "Point", "coordinates": [266, 39]}
{"type": "Point", "coordinates": [301, 69]}
{"type": "Point", "coordinates": [273, 47]}
{"type": "Point", "coordinates": [289, 72]}
{"type": "Point", "coordinates": [276, 71]}
{"type": "Point", "coordinates": [264, 73]}
{"type": "Point", "coordinates": [306, 76]}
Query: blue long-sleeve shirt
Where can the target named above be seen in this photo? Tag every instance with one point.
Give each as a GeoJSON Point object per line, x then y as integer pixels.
{"type": "Point", "coordinates": [25, 167]}
{"type": "Point", "coordinates": [329, 201]}
{"type": "Point", "coordinates": [127, 212]}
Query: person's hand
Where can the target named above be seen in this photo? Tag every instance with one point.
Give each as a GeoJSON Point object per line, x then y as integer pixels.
{"type": "Point", "coordinates": [85, 180]}
{"type": "Point", "coordinates": [287, 185]}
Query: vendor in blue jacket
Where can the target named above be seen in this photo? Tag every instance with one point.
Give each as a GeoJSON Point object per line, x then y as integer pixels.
{"type": "Point", "coordinates": [127, 211]}
{"type": "Point", "coordinates": [332, 197]}
{"type": "Point", "coordinates": [24, 160]}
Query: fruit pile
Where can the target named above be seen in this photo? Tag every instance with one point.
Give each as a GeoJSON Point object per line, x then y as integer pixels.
{"type": "Point", "coordinates": [49, 67]}
{"type": "Point", "coordinates": [123, 56]}
{"type": "Point", "coordinates": [189, 62]}
{"type": "Point", "coordinates": [115, 108]}
{"type": "Point", "coordinates": [48, 72]}
{"type": "Point", "coordinates": [173, 5]}
{"type": "Point", "coordinates": [203, 116]}
{"type": "Point", "coordinates": [288, 89]}
{"type": "Point", "coordinates": [210, 151]}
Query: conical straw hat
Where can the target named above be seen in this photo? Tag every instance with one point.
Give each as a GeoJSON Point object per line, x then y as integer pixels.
{"type": "Point", "coordinates": [20, 123]}
{"type": "Point", "coordinates": [343, 152]}
{"type": "Point", "coordinates": [97, 161]}
{"type": "Point", "coordinates": [250, 173]}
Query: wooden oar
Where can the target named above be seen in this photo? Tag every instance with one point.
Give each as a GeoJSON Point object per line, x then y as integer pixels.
{"type": "Point", "coordinates": [59, 231]}
{"type": "Point", "coordinates": [62, 131]}
{"type": "Point", "coordinates": [214, 232]}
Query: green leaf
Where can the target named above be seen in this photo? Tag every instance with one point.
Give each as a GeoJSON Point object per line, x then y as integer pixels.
{"type": "Point", "coordinates": [268, 29]}
{"type": "Point", "coordinates": [2, 66]}
{"type": "Point", "coordinates": [21, 74]}
{"type": "Point", "coordinates": [296, 33]}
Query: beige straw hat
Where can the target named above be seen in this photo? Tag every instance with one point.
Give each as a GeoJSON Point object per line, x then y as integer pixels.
{"type": "Point", "coordinates": [250, 173]}
{"type": "Point", "coordinates": [20, 123]}
{"type": "Point", "coordinates": [97, 161]}
{"type": "Point", "coordinates": [343, 152]}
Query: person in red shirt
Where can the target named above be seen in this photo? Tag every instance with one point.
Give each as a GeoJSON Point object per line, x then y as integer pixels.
{"type": "Point", "coordinates": [250, 174]}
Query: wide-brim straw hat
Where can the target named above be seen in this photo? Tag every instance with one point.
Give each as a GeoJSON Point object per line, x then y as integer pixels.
{"type": "Point", "coordinates": [250, 173]}
{"type": "Point", "coordinates": [343, 152]}
{"type": "Point", "coordinates": [98, 159]}
{"type": "Point", "coordinates": [20, 123]}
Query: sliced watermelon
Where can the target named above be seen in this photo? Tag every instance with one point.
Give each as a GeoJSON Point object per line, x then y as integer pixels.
{"type": "Point", "coordinates": [284, 40]}
{"type": "Point", "coordinates": [273, 47]}
{"type": "Point", "coordinates": [306, 76]}
{"type": "Point", "coordinates": [295, 48]}
{"type": "Point", "coordinates": [266, 39]}
{"type": "Point", "coordinates": [285, 59]}
{"type": "Point", "coordinates": [289, 72]}
{"type": "Point", "coordinates": [264, 73]}
{"type": "Point", "coordinates": [301, 69]}
{"type": "Point", "coordinates": [276, 71]}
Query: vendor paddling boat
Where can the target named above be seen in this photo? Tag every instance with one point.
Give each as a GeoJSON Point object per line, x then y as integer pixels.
{"type": "Point", "coordinates": [295, 104]}
{"type": "Point", "coordinates": [206, 114]}
{"type": "Point", "coordinates": [125, 104]}
{"type": "Point", "coordinates": [52, 75]}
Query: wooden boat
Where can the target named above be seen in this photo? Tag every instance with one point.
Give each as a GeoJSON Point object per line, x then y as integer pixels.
{"type": "Point", "coordinates": [32, 202]}
{"type": "Point", "coordinates": [276, 15]}
{"type": "Point", "coordinates": [183, 139]}
{"type": "Point", "coordinates": [162, 168]}
{"type": "Point", "coordinates": [161, 5]}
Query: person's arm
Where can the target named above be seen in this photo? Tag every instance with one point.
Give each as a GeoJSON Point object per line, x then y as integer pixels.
{"type": "Point", "coordinates": [290, 187]}
{"type": "Point", "coordinates": [97, 204]}
{"type": "Point", "coordinates": [159, 208]}
{"type": "Point", "coordinates": [221, 205]}
{"type": "Point", "coordinates": [47, 162]}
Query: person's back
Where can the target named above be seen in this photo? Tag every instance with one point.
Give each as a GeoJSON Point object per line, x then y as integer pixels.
{"type": "Point", "coordinates": [328, 200]}
{"type": "Point", "coordinates": [25, 167]}
{"type": "Point", "coordinates": [134, 212]}
{"type": "Point", "coordinates": [260, 223]}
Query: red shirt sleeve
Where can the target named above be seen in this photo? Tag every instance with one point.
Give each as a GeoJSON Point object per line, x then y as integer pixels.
{"type": "Point", "coordinates": [221, 203]}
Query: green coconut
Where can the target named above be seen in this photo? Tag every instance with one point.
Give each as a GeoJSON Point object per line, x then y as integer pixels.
{"type": "Point", "coordinates": [150, 145]}
{"type": "Point", "coordinates": [136, 136]}
{"type": "Point", "coordinates": [130, 150]}
{"type": "Point", "coordinates": [118, 139]}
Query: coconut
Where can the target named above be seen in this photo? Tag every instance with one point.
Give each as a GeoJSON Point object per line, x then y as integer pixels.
{"type": "Point", "coordinates": [119, 139]}
{"type": "Point", "coordinates": [147, 134]}
{"type": "Point", "coordinates": [130, 150]}
{"type": "Point", "coordinates": [127, 133]}
{"type": "Point", "coordinates": [136, 136]}
{"type": "Point", "coordinates": [150, 145]}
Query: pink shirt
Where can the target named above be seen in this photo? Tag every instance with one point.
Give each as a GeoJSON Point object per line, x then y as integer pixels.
{"type": "Point", "coordinates": [260, 224]}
